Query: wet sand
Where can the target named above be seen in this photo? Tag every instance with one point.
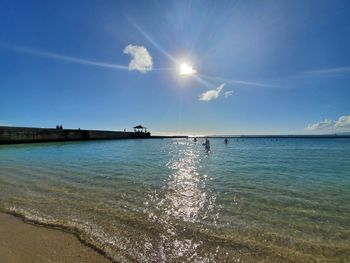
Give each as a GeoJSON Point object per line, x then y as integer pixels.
{"type": "Point", "coordinates": [22, 242]}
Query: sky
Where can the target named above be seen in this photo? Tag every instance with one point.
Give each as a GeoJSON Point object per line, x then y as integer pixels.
{"type": "Point", "coordinates": [177, 67]}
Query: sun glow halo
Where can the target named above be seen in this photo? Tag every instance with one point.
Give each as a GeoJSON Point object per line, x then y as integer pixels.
{"type": "Point", "coordinates": [186, 69]}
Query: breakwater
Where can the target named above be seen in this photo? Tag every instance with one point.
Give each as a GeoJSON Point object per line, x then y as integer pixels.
{"type": "Point", "coordinates": [10, 135]}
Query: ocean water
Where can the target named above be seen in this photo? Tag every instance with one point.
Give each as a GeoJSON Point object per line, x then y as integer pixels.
{"type": "Point", "coordinates": [253, 200]}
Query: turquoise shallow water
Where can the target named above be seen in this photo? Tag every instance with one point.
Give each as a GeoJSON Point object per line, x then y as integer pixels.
{"type": "Point", "coordinates": [253, 200]}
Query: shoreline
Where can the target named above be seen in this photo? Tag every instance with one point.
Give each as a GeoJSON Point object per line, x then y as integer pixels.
{"type": "Point", "coordinates": [23, 240]}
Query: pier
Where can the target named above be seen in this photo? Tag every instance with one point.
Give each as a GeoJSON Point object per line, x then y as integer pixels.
{"type": "Point", "coordinates": [14, 135]}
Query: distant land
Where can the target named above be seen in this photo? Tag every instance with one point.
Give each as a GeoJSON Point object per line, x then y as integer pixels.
{"type": "Point", "coordinates": [301, 136]}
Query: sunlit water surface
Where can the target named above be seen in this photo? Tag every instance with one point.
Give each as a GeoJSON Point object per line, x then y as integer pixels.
{"type": "Point", "coordinates": [253, 200]}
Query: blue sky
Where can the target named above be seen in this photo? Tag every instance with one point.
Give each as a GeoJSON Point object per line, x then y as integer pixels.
{"type": "Point", "coordinates": [284, 66]}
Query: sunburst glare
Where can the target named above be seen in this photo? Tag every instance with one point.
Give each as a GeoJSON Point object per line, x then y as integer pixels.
{"type": "Point", "coordinates": [186, 69]}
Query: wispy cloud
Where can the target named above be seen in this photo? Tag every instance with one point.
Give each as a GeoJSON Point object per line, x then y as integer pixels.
{"type": "Point", "coordinates": [211, 94]}
{"type": "Point", "coordinates": [342, 124]}
{"type": "Point", "coordinates": [51, 55]}
{"type": "Point", "coordinates": [329, 70]}
{"type": "Point", "coordinates": [228, 93]}
{"type": "Point", "coordinates": [203, 82]}
{"type": "Point", "coordinates": [236, 81]}
{"type": "Point", "coordinates": [141, 59]}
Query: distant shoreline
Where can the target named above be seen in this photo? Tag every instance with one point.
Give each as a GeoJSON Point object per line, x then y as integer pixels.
{"type": "Point", "coordinates": [323, 136]}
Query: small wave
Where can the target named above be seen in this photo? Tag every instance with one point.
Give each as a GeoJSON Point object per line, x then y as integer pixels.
{"type": "Point", "coordinates": [89, 234]}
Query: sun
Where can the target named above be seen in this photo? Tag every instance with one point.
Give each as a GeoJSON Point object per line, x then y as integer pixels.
{"type": "Point", "coordinates": [186, 69]}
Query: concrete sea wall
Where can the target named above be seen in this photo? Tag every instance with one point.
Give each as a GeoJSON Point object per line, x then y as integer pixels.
{"type": "Point", "coordinates": [10, 135]}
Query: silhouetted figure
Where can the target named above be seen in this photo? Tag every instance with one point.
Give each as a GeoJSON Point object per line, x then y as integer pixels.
{"type": "Point", "coordinates": [195, 139]}
{"type": "Point", "coordinates": [57, 127]}
{"type": "Point", "coordinates": [226, 141]}
{"type": "Point", "coordinates": [207, 145]}
{"type": "Point", "coordinates": [61, 128]}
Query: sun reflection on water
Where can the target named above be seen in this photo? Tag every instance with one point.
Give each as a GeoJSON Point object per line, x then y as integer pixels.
{"type": "Point", "coordinates": [184, 198]}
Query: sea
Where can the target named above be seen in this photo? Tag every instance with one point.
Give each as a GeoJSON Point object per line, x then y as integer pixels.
{"type": "Point", "coordinates": [169, 200]}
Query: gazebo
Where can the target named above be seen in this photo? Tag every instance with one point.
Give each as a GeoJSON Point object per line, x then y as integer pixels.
{"type": "Point", "coordinates": [140, 128]}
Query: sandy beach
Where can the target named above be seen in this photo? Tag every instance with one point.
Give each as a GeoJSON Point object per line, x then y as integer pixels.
{"type": "Point", "coordinates": [22, 242]}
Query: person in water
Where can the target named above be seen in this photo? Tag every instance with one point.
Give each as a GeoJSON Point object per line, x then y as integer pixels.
{"type": "Point", "coordinates": [207, 145]}
{"type": "Point", "coordinates": [226, 141]}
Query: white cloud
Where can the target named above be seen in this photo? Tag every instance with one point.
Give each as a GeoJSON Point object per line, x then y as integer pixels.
{"type": "Point", "coordinates": [329, 70]}
{"type": "Point", "coordinates": [141, 59]}
{"type": "Point", "coordinates": [323, 125]}
{"type": "Point", "coordinates": [228, 93]}
{"type": "Point", "coordinates": [211, 94]}
{"type": "Point", "coordinates": [342, 124]}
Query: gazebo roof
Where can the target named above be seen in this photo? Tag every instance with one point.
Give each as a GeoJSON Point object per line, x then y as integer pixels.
{"type": "Point", "coordinates": [139, 127]}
